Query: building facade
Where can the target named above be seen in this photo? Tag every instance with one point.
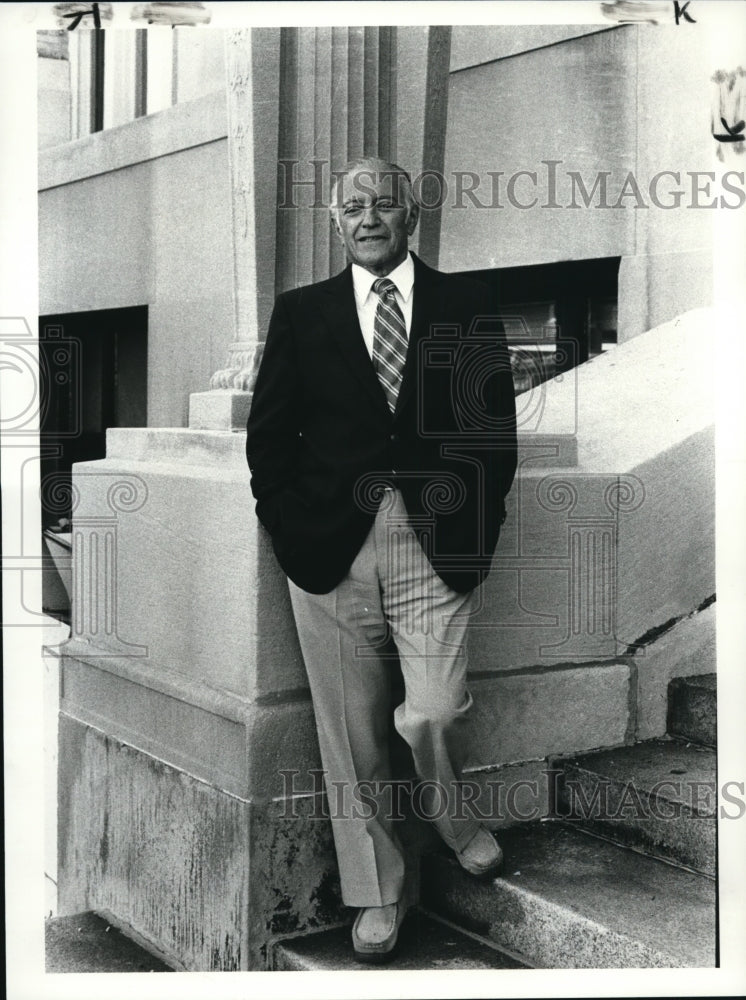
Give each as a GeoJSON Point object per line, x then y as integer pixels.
{"type": "Point", "coordinates": [183, 183]}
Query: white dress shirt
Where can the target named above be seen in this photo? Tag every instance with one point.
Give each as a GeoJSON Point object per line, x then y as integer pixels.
{"type": "Point", "coordinates": [367, 301]}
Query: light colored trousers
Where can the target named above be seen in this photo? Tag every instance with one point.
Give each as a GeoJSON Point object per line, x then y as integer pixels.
{"type": "Point", "coordinates": [390, 592]}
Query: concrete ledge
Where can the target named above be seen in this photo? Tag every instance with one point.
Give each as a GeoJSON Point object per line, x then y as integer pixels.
{"type": "Point", "coordinates": [552, 596]}
{"type": "Point", "coordinates": [666, 547]}
{"type": "Point", "coordinates": [531, 714]}
{"type": "Point", "coordinates": [243, 746]}
{"type": "Point", "coordinates": [182, 126]}
{"type": "Point", "coordinates": [213, 735]}
{"type": "Point", "coordinates": [642, 398]}
{"type": "Point", "coordinates": [592, 558]}
{"type": "Point", "coordinates": [220, 409]}
{"type": "Point", "coordinates": [176, 445]}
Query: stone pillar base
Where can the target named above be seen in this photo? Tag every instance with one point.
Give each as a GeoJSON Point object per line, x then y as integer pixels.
{"type": "Point", "coordinates": [219, 410]}
{"type": "Point", "coordinates": [207, 877]}
{"type": "Point", "coordinates": [183, 703]}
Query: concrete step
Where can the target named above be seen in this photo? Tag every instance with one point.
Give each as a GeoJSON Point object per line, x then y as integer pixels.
{"type": "Point", "coordinates": [692, 708]}
{"type": "Point", "coordinates": [570, 900]}
{"type": "Point", "coordinates": [425, 942]}
{"type": "Point", "coordinates": [85, 942]}
{"type": "Point", "coordinates": [658, 797]}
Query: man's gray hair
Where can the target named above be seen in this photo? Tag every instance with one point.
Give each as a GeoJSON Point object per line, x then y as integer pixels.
{"type": "Point", "coordinates": [374, 168]}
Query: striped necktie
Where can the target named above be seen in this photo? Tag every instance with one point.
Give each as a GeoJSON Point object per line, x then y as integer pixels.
{"type": "Point", "coordinates": [389, 340]}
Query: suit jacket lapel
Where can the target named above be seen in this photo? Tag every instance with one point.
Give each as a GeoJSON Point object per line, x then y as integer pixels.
{"type": "Point", "coordinates": [425, 310]}
{"type": "Point", "coordinates": [339, 310]}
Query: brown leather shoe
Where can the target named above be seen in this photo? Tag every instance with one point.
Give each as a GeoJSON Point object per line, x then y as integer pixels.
{"type": "Point", "coordinates": [376, 930]}
{"type": "Point", "coordinates": [482, 856]}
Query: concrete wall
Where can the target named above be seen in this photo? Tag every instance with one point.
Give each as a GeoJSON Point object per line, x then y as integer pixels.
{"type": "Point", "coordinates": [508, 115]}
{"type": "Point", "coordinates": [200, 62]}
{"type": "Point", "coordinates": [474, 44]}
{"type": "Point", "coordinates": [53, 101]}
{"type": "Point", "coordinates": [140, 215]}
{"type": "Point", "coordinates": [623, 101]}
{"type": "Point", "coordinates": [53, 92]}
{"type": "Point", "coordinates": [597, 554]}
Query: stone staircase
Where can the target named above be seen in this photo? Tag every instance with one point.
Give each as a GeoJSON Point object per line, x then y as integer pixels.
{"type": "Point", "coordinates": [621, 876]}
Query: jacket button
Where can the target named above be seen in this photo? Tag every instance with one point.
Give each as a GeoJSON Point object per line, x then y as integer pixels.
{"type": "Point", "coordinates": [394, 437]}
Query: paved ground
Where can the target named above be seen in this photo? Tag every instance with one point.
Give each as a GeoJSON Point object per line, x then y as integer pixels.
{"type": "Point", "coordinates": [86, 943]}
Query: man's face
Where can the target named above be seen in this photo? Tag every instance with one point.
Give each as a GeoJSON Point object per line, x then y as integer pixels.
{"type": "Point", "coordinates": [373, 221]}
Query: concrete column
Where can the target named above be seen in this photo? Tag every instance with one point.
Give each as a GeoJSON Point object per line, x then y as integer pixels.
{"type": "Point", "coordinates": [430, 162]}
{"type": "Point", "coordinates": [120, 87]}
{"type": "Point", "coordinates": [310, 98]}
{"type": "Point", "coordinates": [423, 56]}
{"type": "Point", "coordinates": [349, 112]}
{"type": "Point", "coordinates": [253, 89]}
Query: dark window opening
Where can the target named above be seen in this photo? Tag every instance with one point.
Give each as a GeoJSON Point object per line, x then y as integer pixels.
{"type": "Point", "coordinates": [556, 316]}
{"type": "Point", "coordinates": [93, 376]}
{"type": "Point", "coordinates": [97, 80]}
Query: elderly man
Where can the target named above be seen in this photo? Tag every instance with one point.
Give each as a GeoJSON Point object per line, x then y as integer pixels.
{"type": "Point", "coordinates": [382, 445]}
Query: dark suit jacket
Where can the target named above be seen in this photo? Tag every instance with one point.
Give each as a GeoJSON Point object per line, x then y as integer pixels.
{"type": "Point", "coordinates": [321, 438]}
